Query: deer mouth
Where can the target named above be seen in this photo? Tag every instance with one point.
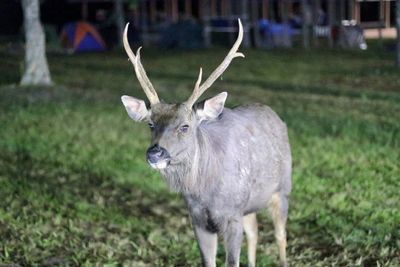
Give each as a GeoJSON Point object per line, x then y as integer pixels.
{"type": "Point", "coordinates": [158, 157]}
{"type": "Point", "coordinates": [160, 164]}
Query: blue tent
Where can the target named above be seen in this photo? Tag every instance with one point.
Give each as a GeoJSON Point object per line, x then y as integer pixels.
{"type": "Point", "coordinates": [81, 37]}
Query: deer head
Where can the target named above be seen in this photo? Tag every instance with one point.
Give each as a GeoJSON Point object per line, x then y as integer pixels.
{"type": "Point", "coordinates": [174, 126]}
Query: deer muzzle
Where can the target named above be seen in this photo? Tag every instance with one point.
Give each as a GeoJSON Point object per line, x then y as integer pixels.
{"type": "Point", "coordinates": [158, 157]}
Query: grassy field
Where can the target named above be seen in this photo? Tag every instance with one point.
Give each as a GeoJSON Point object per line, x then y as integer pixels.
{"type": "Point", "coordinates": [76, 191]}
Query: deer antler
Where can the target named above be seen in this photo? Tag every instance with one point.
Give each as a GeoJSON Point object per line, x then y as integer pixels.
{"type": "Point", "coordinates": [199, 90]}
{"type": "Point", "coordinates": [139, 70]}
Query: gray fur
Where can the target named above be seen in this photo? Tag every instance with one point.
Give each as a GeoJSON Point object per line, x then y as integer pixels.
{"type": "Point", "coordinates": [225, 167]}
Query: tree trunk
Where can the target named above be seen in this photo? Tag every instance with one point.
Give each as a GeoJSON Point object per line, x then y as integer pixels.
{"type": "Point", "coordinates": [398, 33]}
{"type": "Point", "coordinates": [36, 68]}
{"type": "Point", "coordinates": [119, 19]}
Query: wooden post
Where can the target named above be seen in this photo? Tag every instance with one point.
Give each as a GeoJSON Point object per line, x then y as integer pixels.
{"type": "Point", "coordinates": [213, 12]}
{"type": "Point", "coordinates": [398, 33]}
{"type": "Point", "coordinates": [188, 8]}
{"type": "Point", "coordinates": [342, 11]}
{"type": "Point", "coordinates": [285, 20]}
{"type": "Point", "coordinates": [265, 9]}
{"type": "Point", "coordinates": [381, 20]}
{"type": "Point", "coordinates": [119, 19]}
{"type": "Point", "coordinates": [174, 10]}
{"type": "Point", "coordinates": [381, 10]}
{"type": "Point", "coordinates": [143, 15]}
{"type": "Point", "coordinates": [224, 8]}
{"type": "Point", "coordinates": [200, 9]}
{"type": "Point", "coordinates": [306, 15]}
{"type": "Point", "coordinates": [331, 21]}
{"type": "Point", "coordinates": [153, 11]}
{"type": "Point", "coordinates": [316, 8]}
{"type": "Point", "coordinates": [289, 7]}
{"type": "Point", "coordinates": [351, 10]}
{"type": "Point", "coordinates": [243, 15]}
{"type": "Point", "coordinates": [387, 14]}
{"type": "Point", "coordinates": [167, 9]}
{"type": "Point", "coordinates": [227, 11]}
{"type": "Point", "coordinates": [357, 11]}
{"type": "Point", "coordinates": [205, 10]}
{"type": "Point", "coordinates": [254, 20]}
{"type": "Point", "coordinates": [84, 11]}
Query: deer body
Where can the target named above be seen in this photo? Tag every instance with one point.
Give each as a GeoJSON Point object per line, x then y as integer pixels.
{"type": "Point", "coordinates": [253, 163]}
{"type": "Point", "coordinates": [227, 163]}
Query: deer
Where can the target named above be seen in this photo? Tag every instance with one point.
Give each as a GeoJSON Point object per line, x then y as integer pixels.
{"type": "Point", "coordinates": [228, 164]}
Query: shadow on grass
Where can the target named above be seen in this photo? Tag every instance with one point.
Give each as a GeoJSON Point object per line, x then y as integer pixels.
{"type": "Point", "coordinates": [57, 216]}
{"type": "Point", "coordinates": [82, 184]}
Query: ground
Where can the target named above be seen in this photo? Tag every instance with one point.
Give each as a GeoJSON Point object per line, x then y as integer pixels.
{"type": "Point", "coordinates": [76, 190]}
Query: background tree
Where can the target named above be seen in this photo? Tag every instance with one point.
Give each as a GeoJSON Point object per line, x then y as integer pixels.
{"type": "Point", "coordinates": [36, 67]}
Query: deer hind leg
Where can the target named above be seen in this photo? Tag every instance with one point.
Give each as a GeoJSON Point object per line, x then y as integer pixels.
{"type": "Point", "coordinates": [278, 208]}
{"type": "Point", "coordinates": [251, 230]}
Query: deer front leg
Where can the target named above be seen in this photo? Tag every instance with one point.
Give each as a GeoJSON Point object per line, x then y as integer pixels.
{"type": "Point", "coordinates": [208, 245]}
{"type": "Point", "coordinates": [233, 239]}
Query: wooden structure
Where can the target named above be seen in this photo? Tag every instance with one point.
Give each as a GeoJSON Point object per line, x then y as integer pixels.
{"type": "Point", "coordinates": [319, 19]}
{"type": "Point", "coordinates": [376, 17]}
{"type": "Point", "coordinates": [216, 16]}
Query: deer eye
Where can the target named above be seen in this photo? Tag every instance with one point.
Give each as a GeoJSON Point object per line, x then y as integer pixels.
{"type": "Point", "coordinates": [184, 128]}
{"type": "Point", "coordinates": [151, 125]}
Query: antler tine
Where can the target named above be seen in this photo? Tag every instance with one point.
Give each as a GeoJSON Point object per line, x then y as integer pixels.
{"type": "Point", "coordinates": [198, 91]}
{"type": "Point", "coordinates": [197, 85]}
{"type": "Point", "coordinates": [139, 70]}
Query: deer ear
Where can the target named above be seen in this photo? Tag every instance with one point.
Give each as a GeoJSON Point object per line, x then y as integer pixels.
{"type": "Point", "coordinates": [136, 108]}
{"type": "Point", "coordinates": [211, 108]}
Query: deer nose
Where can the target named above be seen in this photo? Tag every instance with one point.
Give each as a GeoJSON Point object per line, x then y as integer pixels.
{"type": "Point", "coordinates": [156, 153]}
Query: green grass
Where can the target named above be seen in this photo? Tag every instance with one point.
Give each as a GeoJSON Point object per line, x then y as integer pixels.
{"type": "Point", "coordinates": [76, 190]}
